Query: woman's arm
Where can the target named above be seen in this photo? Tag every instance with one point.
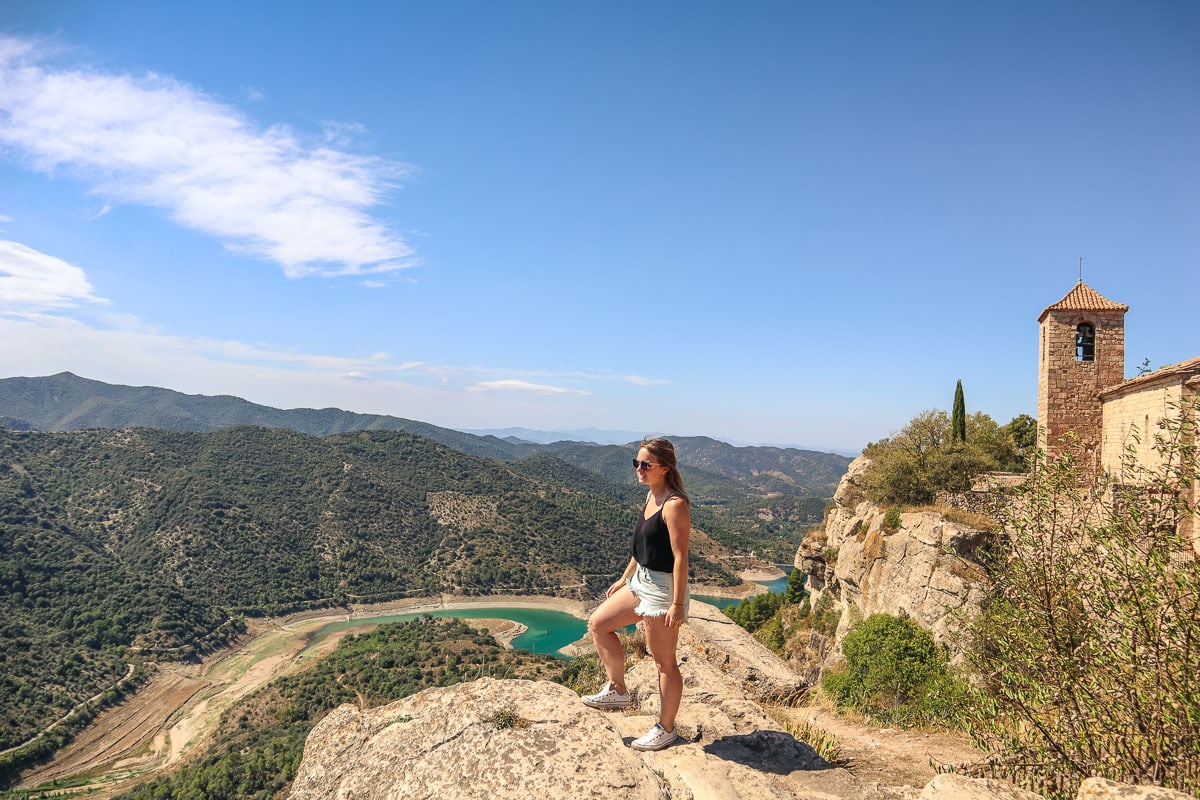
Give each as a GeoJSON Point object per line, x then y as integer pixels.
{"type": "Point", "coordinates": [678, 516]}
{"type": "Point", "coordinates": [630, 568]}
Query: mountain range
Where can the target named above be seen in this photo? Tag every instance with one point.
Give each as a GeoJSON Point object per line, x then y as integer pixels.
{"type": "Point", "coordinates": [66, 402]}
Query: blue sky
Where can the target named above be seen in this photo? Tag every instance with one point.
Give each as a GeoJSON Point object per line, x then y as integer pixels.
{"type": "Point", "coordinates": [789, 223]}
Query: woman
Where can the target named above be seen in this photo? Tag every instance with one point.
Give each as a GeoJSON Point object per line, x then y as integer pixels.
{"type": "Point", "coordinates": [652, 589]}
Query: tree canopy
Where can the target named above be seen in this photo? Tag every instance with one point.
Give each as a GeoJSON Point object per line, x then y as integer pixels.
{"type": "Point", "coordinates": [915, 463]}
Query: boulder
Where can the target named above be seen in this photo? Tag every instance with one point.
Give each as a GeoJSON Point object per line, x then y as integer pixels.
{"type": "Point", "coordinates": [1104, 789]}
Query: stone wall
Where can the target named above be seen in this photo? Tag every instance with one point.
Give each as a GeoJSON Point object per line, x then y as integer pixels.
{"type": "Point", "coordinates": [1133, 417]}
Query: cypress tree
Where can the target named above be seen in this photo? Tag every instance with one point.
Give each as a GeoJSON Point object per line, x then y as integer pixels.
{"type": "Point", "coordinates": [958, 418]}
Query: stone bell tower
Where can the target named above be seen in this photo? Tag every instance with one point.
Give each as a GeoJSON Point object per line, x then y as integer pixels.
{"type": "Point", "coordinates": [1082, 353]}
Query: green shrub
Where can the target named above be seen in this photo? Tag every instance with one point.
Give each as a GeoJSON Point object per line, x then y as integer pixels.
{"type": "Point", "coordinates": [891, 520]}
{"type": "Point", "coordinates": [897, 674]}
{"type": "Point", "coordinates": [771, 634]}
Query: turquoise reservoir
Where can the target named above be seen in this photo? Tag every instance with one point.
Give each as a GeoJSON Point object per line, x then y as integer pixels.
{"type": "Point", "coordinates": [548, 631]}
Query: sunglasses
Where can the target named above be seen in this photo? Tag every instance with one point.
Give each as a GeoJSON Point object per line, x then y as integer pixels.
{"type": "Point", "coordinates": [644, 465]}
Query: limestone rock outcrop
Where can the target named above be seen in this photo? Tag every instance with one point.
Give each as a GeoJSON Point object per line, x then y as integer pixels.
{"type": "Point", "coordinates": [723, 643]}
{"type": "Point", "coordinates": [959, 787]}
{"type": "Point", "coordinates": [534, 740]}
{"type": "Point", "coordinates": [501, 739]}
{"type": "Point", "coordinates": [923, 568]}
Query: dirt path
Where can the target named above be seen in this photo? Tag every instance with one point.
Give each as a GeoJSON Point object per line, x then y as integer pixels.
{"type": "Point", "coordinates": [891, 756]}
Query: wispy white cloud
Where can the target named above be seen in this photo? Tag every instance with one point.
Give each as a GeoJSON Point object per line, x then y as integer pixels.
{"type": "Point", "coordinates": [640, 380]}
{"type": "Point", "coordinates": [342, 134]}
{"type": "Point", "coordinates": [47, 343]}
{"type": "Point", "coordinates": [112, 341]}
{"type": "Point", "coordinates": [49, 293]}
{"type": "Point", "coordinates": [46, 291]}
{"type": "Point", "coordinates": [153, 140]}
{"type": "Point", "coordinates": [31, 281]}
{"type": "Point", "coordinates": [51, 321]}
{"type": "Point", "coordinates": [524, 386]}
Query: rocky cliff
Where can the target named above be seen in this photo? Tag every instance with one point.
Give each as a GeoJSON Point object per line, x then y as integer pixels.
{"type": "Point", "coordinates": [500, 739]}
{"type": "Point", "coordinates": [923, 567]}
{"type": "Point", "coordinates": [516, 740]}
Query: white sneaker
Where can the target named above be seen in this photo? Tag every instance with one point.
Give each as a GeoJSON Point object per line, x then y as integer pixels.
{"type": "Point", "coordinates": [608, 697]}
{"type": "Point", "coordinates": [658, 738]}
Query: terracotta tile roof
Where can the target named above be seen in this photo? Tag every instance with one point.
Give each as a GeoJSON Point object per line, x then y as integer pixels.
{"type": "Point", "coordinates": [1183, 368]}
{"type": "Point", "coordinates": [1083, 298]}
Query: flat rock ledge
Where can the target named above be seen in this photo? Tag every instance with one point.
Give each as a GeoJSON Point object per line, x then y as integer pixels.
{"type": "Point", "coordinates": [485, 739]}
{"type": "Point", "coordinates": [498, 739]}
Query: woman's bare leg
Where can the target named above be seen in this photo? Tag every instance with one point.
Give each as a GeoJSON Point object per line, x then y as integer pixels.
{"type": "Point", "coordinates": [613, 614]}
{"type": "Point", "coordinates": [662, 641]}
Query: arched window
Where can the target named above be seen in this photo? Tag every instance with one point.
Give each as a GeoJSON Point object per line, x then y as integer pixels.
{"type": "Point", "coordinates": [1085, 342]}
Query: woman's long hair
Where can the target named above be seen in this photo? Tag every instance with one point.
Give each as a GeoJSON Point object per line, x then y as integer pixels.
{"type": "Point", "coordinates": [664, 451]}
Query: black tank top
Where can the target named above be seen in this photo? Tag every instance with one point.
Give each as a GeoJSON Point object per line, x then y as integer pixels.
{"type": "Point", "coordinates": [652, 541]}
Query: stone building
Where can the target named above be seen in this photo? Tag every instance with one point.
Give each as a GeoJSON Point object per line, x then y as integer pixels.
{"type": "Point", "coordinates": [1083, 397]}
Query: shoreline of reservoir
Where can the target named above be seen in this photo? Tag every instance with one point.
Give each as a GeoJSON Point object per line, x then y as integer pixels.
{"type": "Point", "coordinates": [752, 585]}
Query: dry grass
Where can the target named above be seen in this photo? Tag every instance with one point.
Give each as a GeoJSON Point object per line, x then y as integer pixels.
{"type": "Point", "coordinates": [980, 522]}
{"type": "Point", "coordinates": [507, 717]}
{"type": "Point", "coordinates": [635, 646]}
{"type": "Point", "coordinates": [815, 539]}
{"type": "Point", "coordinates": [820, 740]}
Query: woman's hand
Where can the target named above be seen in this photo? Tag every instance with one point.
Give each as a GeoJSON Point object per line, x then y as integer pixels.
{"type": "Point", "coordinates": [614, 588]}
{"type": "Point", "coordinates": [675, 615]}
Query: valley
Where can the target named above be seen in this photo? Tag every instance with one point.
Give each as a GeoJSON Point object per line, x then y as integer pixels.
{"type": "Point", "coordinates": [168, 719]}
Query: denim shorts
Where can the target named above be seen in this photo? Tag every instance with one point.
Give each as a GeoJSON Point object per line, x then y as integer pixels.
{"type": "Point", "coordinates": [655, 590]}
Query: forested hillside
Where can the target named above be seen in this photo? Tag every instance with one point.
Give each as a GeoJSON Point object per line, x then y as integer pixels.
{"type": "Point", "coordinates": [119, 545]}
